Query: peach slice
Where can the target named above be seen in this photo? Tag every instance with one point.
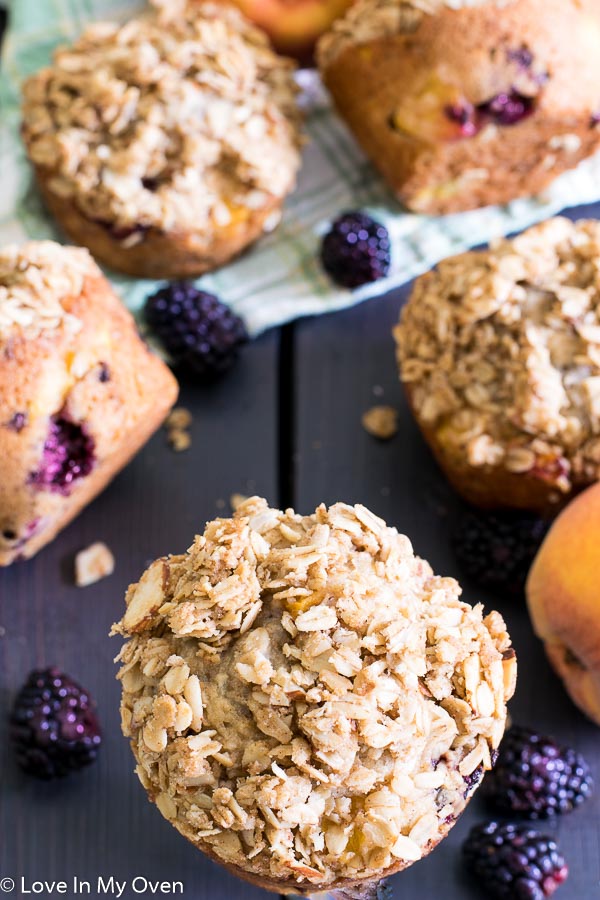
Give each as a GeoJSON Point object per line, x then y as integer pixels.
{"type": "Point", "coordinates": [563, 594]}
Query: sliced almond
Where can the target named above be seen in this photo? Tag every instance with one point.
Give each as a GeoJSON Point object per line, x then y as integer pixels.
{"type": "Point", "coordinates": [509, 666]}
{"type": "Point", "coordinates": [146, 597]}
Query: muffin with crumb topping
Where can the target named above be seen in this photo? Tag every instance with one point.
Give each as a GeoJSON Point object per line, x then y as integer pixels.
{"type": "Point", "coordinates": [499, 353]}
{"type": "Point", "coordinates": [307, 702]}
{"type": "Point", "coordinates": [80, 392]}
{"type": "Point", "coordinates": [168, 144]}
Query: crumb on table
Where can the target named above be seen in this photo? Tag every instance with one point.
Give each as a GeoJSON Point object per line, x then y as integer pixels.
{"type": "Point", "coordinates": [177, 424]}
{"type": "Point", "coordinates": [381, 422]}
{"type": "Point", "coordinates": [93, 563]}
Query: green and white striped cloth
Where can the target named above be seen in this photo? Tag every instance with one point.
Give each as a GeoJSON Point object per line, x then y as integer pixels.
{"type": "Point", "coordinates": [280, 278]}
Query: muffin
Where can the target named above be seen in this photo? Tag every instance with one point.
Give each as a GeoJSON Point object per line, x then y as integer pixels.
{"type": "Point", "coordinates": [80, 392]}
{"type": "Point", "coordinates": [462, 103]}
{"type": "Point", "coordinates": [306, 701]}
{"type": "Point", "coordinates": [165, 145]}
{"type": "Point", "coordinates": [499, 352]}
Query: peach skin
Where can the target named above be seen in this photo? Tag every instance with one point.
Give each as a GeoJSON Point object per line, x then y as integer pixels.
{"type": "Point", "coordinates": [564, 599]}
{"type": "Point", "coordinates": [294, 25]}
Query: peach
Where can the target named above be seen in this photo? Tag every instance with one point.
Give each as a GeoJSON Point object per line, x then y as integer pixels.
{"type": "Point", "coordinates": [434, 111]}
{"type": "Point", "coordinates": [294, 25]}
{"type": "Point", "coordinates": [563, 594]}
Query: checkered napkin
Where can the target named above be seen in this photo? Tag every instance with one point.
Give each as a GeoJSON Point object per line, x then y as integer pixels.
{"type": "Point", "coordinates": [279, 279]}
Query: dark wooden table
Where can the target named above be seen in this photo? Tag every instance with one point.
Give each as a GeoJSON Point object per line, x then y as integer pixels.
{"type": "Point", "coordinates": [285, 424]}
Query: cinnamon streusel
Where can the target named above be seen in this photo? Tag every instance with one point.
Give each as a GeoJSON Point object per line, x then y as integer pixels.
{"type": "Point", "coordinates": [499, 352]}
{"type": "Point", "coordinates": [168, 144]}
{"type": "Point", "coordinates": [80, 392]}
{"type": "Point", "coordinates": [306, 701]}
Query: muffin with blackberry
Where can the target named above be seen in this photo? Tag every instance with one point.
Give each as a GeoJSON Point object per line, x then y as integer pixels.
{"type": "Point", "coordinates": [462, 103]}
{"type": "Point", "coordinates": [80, 392]}
{"type": "Point", "coordinates": [306, 701]}
{"type": "Point", "coordinates": [165, 145]}
{"type": "Point", "coordinates": [499, 353]}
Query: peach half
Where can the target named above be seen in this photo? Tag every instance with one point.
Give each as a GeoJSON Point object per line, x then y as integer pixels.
{"type": "Point", "coordinates": [563, 595]}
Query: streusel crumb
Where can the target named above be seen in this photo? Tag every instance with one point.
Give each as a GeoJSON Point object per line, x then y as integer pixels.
{"type": "Point", "coordinates": [93, 563]}
{"type": "Point", "coordinates": [37, 281]}
{"type": "Point", "coordinates": [172, 120]}
{"type": "Point", "coordinates": [177, 424]}
{"type": "Point", "coordinates": [381, 422]}
{"type": "Point", "coordinates": [305, 698]}
{"type": "Point", "coordinates": [501, 351]}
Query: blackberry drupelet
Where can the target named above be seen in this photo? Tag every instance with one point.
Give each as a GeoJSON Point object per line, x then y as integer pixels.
{"type": "Point", "coordinates": [514, 862]}
{"type": "Point", "coordinates": [201, 334]}
{"type": "Point", "coordinates": [53, 725]}
{"type": "Point", "coordinates": [497, 549]}
{"type": "Point", "coordinates": [356, 250]}
{"type": "Point", "coordinates": [536, 777]}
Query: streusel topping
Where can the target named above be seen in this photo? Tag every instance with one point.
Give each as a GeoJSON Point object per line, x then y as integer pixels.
{"type": "Point", "coordinates": [371, 20]}
{"type": "Point", "coordinates": [35, 279]}
{"type": "Point", "coordinates": [305, 698]}
{"type": "Point", "coordinates": [175, 120]}
{"type": "Point", "coordinates": [501, 349]}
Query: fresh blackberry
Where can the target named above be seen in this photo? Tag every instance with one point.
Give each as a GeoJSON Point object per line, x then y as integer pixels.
{"type": "Point", "coordinates": [201, 334]}
{"type": "Point", "coordinates": [53, 725]}
{"type": "Point", "coordinates": [496, 549]}
{"type": "Point", "coordinates": [514, 861]}
{"type": "Point", "coordinates": [356, 250]}
{"type": "Point", "coordinates": [536, 777]}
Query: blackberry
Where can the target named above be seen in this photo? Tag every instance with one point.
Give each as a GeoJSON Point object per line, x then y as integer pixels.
{"type": "Point", "coordinates": [536, 777]}
{"type": "Point", "coordinates": [356, 250]}
{"type": "Point", "coordinates": [201, 334]}
{"type": "Point", "coordinates": [514, 861]}
{"type": "Point", "coordinates": [53, 725]}
{"type": "Point", "coordinates": [496, 549]}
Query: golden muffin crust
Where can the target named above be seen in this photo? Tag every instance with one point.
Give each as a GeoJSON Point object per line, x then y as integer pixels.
{"type": "Point", "coordinates": [461, 105]}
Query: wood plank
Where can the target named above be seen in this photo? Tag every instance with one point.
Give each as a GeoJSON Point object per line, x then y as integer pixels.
{"type": "Point", "coordinates": [344, 365]}
{"type": "Point", "coordinates": [99, 821]}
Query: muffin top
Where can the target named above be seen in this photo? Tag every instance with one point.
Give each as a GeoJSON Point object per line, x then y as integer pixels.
{"type": "Point", "coordinates": [306, 700]}
{"type": "Point", "coordinates": [35, 280]}
{"type": "Point", "coordinates": [371, 20]}
{"type": "Point", "coordinates": [176, 120]}
{"type": "Point", "coordinates": [501, 351]}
